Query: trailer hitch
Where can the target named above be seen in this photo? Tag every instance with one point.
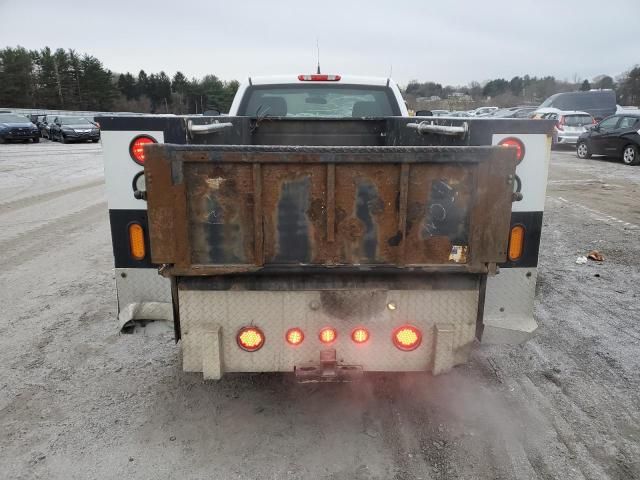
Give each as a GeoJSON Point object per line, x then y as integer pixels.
{"type": "Point", "coordinates": [328, 370]}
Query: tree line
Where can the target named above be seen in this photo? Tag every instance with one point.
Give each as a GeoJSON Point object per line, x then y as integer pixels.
{"type": "Point", "coordinates": [68, 80]}
{"type": "Point", "coordinates": [525, 89]}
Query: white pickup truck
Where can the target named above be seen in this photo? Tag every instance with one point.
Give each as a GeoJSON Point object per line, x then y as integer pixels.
{"type": "Point", "coordinates": [318, 229]}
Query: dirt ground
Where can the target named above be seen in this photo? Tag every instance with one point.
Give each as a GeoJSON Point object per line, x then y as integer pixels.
{"type": "Point", "coordinates": [78, 400]}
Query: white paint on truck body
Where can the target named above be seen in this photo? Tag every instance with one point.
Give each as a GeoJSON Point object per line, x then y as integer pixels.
{"type": "Point", "coordinates": [119, 168]}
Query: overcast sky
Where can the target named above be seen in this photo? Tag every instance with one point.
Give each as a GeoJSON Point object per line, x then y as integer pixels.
{"type": "Point", "coordinates": [451, 42]}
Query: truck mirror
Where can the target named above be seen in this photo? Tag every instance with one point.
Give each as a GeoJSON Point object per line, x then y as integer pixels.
{"type": "Point", "coordinates": [424, 113]}
{"type": "Point", "coordinates": [211, 113]}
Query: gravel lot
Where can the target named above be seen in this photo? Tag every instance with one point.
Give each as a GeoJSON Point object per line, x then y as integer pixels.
{"type": "Point", "coordinates": [78, 400]}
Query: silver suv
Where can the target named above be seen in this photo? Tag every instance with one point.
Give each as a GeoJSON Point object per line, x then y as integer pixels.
{"type": "Point", "coordinates": [569, 125]}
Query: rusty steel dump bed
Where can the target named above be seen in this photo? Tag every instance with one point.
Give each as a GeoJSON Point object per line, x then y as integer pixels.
{"type": "Point", "coordinates": [220, 209]}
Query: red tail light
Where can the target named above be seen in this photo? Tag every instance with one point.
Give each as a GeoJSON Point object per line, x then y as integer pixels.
{"type": "Point", "coordinates": [514, 142]}
{"type": "Point", "coordinates": [328, 335]}
{"type": "Point", "coordinates": [560, 123]}
{"type": "Point", "coordinates": [250, 339]}
{"type": "Point", "coordinates": [136, 147]}
{"type": "Point", "coordinates": [319, 78]}
{"type": "Point", "coordinates": [360, 335]}
{"type": "Point", "coordinates": [294, 336]}
{"type": "Point", "coordinates": [407, 338]}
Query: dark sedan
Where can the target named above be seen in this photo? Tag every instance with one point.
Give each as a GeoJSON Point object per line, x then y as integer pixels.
{"type": "Point", "coordinates": [514, 112]}
{"type": "Point", "coordinates": [617, 136]}
{"type": "Point", "coordinates": [17, 128]}
{"type": "Point", "coordinates": [45, 125]}
{"type": "Point", "coordinates": [73, 129]}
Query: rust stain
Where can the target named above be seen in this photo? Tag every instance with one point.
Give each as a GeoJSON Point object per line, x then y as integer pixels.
{"type": "Point", "coordinates": [303, 212]}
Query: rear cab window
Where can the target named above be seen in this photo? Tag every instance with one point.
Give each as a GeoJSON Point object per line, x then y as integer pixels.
{"type": "Point", "coordinates": [578, 120]}
{"type": "Point", "coordinates": [321, 101]}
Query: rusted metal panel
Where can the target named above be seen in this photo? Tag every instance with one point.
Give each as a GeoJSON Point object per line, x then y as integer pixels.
{"type": "Point", "coordinates": [367, 213]}
{"type": "Point", "coordinates": [440, 197]}
{"type": "Point", "coordinates": [220, 211]}
{"type": "Point", "coordinates": [226, 209]}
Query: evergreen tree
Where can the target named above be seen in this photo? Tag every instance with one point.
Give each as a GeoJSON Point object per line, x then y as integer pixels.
{"type": "Point", "coordinates": [127, 86]}
{"type": "Point", "coordinates": [17, 77]}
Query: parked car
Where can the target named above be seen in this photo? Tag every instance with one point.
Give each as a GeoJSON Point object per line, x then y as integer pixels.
{"type": "Point", "coordinates": [459, 113]}
{"type": "Point", "coordinates": [17, 128]}
{"type": "Point", "coordinates": [482, 111]}
{"type": "Point", "coordinates": [598, 103]}
{"type": "Point", "coordinates": [36, 117]}
{"type": "Point", "coordinates": [617, 135]}
{"type": "Point", "coordinates": [569, 126]}
{"type": "Point", "coordinates": [514, 112]}
{"type": "Point", "coordinates": [73, 129]}
{"type": "Point", "coordinates": [45, 125]}
{"type": "Point", "coordinates": [37, 121]}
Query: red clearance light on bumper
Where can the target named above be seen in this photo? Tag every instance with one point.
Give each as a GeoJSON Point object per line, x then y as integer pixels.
{"type": "Point", "coordinates": [294, 336]}
{"type": "Point", "coordinates": [328, 335]}
{"type": "Point", "coordinates": [514, 142]}
{"type": "Point", "coordinates": [250, 339]}
{"type": "Point", "coordinates": [319, 78]}
{"type": "Point", "coordinates": [360, 335]}
{"type": "Point", "coordinates": [136, 147]}
{"type": "Point", "coordinates": [407, 338]}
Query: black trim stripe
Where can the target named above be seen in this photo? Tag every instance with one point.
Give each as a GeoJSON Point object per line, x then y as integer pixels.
{"type": "Point", "coordinates": [174, 128]}
{"type": "Point", "coordinates": [120, 220]}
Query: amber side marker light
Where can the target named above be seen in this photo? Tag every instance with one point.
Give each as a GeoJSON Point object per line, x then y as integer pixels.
{"type": "Point", "coordinates": [294, 336]}
{"type": "Point", "coordinates": [360, 335]}
{"type": "Point", "coordinates": [516, 242]}
{"type": "Point", "coordinates": [136, 147]}
{"type": "Point", "coordinates": [407, 338]}
{"type": "Point", "coordinates": [250, 339]}
{"type": "Point", "coordinates": [514, 142]}
{"type": "Point", "coordinates": [328, 335]}
{"type": "Point", "coordinates": [136, 241]}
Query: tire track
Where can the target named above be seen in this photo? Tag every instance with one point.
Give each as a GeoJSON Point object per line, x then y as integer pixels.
{"type": "Point", "coordinates": [24, 248]}
{"type": "Point", "coordinates": [45, 197]}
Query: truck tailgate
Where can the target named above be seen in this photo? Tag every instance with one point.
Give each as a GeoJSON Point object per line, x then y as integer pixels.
{"type": "Point", "coordinates": [217, 209]}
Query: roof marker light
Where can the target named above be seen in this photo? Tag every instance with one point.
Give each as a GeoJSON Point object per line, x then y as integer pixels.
{"type": "Point", "coordinates": [319, 78]}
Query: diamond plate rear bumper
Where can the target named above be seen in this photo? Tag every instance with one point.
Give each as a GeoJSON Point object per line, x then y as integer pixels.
{"type": "Point", "coordinates": [446, 317]}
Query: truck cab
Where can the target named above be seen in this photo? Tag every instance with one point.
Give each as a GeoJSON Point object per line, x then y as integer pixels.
{"type": "Point", "coordinates": [318, 96]}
